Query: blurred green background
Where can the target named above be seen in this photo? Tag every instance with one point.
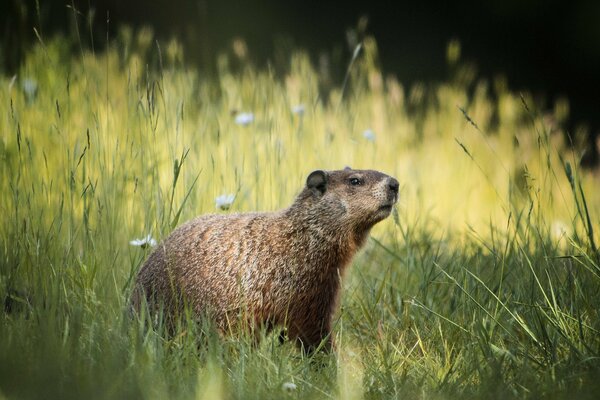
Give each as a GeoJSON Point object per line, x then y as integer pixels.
{"type": "Point", "coordinates": [551, 48]}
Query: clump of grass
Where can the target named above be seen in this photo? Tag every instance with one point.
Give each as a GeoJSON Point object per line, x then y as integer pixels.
{"type": "Point", "coordinates": [470, 290]}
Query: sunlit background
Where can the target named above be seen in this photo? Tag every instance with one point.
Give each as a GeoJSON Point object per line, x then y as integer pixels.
{"type": "Point", "coordinates": [551, 48]}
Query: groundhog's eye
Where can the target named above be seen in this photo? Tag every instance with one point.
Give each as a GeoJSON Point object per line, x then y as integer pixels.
{"type": "Point", "coordinates": [355, 181]}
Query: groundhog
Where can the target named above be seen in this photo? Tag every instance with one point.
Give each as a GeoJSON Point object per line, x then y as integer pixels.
{"type": "Point", "coordinates": [270, 269]}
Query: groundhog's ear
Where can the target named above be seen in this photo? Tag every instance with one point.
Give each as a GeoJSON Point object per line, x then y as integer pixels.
{"type": "Point", "coordinates": [347, 168]}
{"type": "Point", "coordinates": [317, 181]}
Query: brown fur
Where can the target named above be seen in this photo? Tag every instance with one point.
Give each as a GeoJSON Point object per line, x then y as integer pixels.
{"type": "Point", "coordinates": [272, 268]}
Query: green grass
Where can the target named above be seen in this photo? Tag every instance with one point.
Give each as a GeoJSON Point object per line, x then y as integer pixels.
{"type": "Point", "coordinates": [485, 284]}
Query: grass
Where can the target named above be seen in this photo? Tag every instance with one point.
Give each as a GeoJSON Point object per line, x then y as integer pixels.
{"type": "Point", "coordinates": [485, 284]}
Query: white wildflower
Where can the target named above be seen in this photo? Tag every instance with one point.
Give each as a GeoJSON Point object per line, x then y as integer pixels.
{"type": "Point", "coordinates": [244, 118]}
{"type": "Point", "coordinates": [288, 387]}
{"type": "Point", "coordinates": [144, 242]}
{"type": "Point", "coordinates": [299, 109]}
{"type": "Point", "coordinates": [559, 230]}
{"type": "Point", "coordinates": [369, 135]}
{"type": "Point", "coordinates": [30, 88]}
{"type": "Point", "coordinates": [224, 201]}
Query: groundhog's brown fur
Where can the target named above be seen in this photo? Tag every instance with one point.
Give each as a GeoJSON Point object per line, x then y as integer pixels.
{"type": "Point", "coordinates": [273, 268]}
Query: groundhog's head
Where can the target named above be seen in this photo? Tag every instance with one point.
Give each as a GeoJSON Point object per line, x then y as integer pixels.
{"type": "Point", "coordinates": [359, 197]}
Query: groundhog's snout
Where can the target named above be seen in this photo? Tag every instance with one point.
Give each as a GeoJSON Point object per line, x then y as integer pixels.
{"type": "Point", "coordinates": [393, 185]}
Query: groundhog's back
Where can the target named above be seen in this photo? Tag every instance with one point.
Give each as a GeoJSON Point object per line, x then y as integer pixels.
{"type": "Point", "coordinates": [210, 261]}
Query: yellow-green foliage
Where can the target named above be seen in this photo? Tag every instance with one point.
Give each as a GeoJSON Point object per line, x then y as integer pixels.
{"type": "Point", "coordinates": [138, 122]}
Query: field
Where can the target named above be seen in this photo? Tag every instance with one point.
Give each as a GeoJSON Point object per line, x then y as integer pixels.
{"type": "Point", "coordinates": [484, 284]}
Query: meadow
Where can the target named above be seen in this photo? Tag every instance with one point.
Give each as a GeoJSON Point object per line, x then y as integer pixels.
{"type": "Point", "coordinates": [485, 283]}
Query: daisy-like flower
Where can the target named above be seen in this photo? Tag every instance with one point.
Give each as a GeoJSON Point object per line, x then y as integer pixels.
{"type": "Point", "coordinates": [30, 88]}
{"type": "Point", "coordinates": [288, 387]}
{"type": "Point", "coordinates": [244, 118]}
{"type": "Point", "coordinates": [224, 201]}
{"type": "Point", "coordinates": [369, 135]}
{"type": "Point", "coordinates": [559, 230]}
{"type": "Point", "coordinates": [144, 242]}
{"type": "Point", "coordinates": [299, 109]}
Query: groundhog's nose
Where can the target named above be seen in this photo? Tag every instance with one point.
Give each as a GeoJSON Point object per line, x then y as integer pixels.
{"type": "Point", "coordinates": [393, 185]}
